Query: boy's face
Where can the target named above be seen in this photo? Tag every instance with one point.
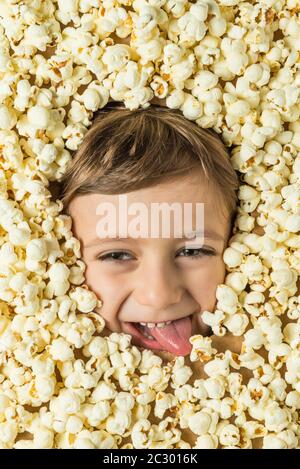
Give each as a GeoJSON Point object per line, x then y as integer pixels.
{"type": "Point", "coordinates": [154, 280]}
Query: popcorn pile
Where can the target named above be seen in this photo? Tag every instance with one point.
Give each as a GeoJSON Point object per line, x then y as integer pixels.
{"type": "Point", "coordinates": [226, 64]}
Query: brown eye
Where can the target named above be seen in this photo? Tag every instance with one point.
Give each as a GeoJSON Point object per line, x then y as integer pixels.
{"type": "Point", "coordinates": [116, 256]}
{"type": "Point", "coordinates": [200, 252]}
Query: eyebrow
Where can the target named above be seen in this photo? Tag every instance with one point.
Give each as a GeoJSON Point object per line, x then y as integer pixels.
{"type": "Point", "coordinates": [210, 234]}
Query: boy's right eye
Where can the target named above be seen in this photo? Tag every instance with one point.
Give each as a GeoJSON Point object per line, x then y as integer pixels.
{"type": "Point", "coordinates": [115, 256]}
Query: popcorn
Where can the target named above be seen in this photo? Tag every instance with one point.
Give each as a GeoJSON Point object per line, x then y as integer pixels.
{"type": "Point", "coordinates": [91, 99]}
{"type": "Point", "coordinates": [60, 350]}
{"type": "Point", "coordinates": [278, 386]}
{"type": "Point", "coordinates": [36, 249]}
{"type": "Point", "coordinates": [157, 378]}
{"type": "Point", "coordinates": [140, 439]}
{"type": "Point", "coordinates": [164, 401]}
{"type": "Point", "coordinates": [85, 300]}
{"type": "Point", "coordinates": [74, 424]}
{"type": "Point", "coordinates": [124, 401]}
{"type": "Point", "coordinates": [218, 366]}
{"type": "Point", "coordinates": [199, 423]}
{"type": "Point", "coordinates": [229, 435]}
{"type": "Point", "coordinates": [251, 360]}
{"type": "Point", "coordinates": [8, 117]}
{"type": "Point", "coordinates": [217, 26]}
{"type": "Point", "coordinates": [187, 393]}
{"type": "Point", "coordinates": [232, 257]}
{"type": "Point", "coordinates": [276, 419]}
{"type": "Point", "coordinates": [119, 422]}
{"type": "Point", "coordinates": [97, 348]}
{"type": "Point", "coordinates": [38, 117]}
{"type": "Point", "coordinates": [103, 391]}
{"type": "Point", "coordinates": [180, 373]}
{"type": "Point", "coordinates": [214, 387]}
{"type": "Point", "coordinates": [293, 399]}
{"type": "Point", "coordinates": [192, 27]}
{"type": "Point", "coordinates": [83, 443]}
{"type": "Point", "coordinates": [45, 387]}
{"type": "Point", "coordinates": [202, 348]}
{"type": "Point", "coordinates": [140, 412]}
{"type": "Point", "coordinates": [291, 334]}
{"type": "Point", "coordinates": [252, 267]}
{"type": "Point", "coordinates": [43, 438]}
{"type": "Point", "coordinates": [237, 323]}
{"type": "Point", "coordinates": [227, 299]}
{"type": "Point", "coordinates": [254, 339]}
{"type": "Point", "coordinates": [8, 432]}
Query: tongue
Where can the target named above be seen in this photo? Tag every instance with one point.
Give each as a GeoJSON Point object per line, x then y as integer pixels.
{"type": "Point", "coordinates": [174, 337]}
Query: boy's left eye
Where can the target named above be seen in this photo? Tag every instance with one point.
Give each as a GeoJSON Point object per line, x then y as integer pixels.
{"type": "Point", "coordinates": [201, 252]}
{"type": "Point", "coordinates": [115, 256]}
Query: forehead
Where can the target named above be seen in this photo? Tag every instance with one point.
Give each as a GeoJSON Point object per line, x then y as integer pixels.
{"type": "Point", "coordinates": [188, 188]}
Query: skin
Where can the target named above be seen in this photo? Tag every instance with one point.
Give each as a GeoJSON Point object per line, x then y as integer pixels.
{"type": "Point", "coordinates": [151, 282]}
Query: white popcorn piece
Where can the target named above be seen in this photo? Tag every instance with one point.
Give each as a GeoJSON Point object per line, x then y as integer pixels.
{"type": "Point", "coordinates": [45, 387]}
{"type": "Point", "coordinates": [84, 443]}
{"type": "Point", "coordinates": [218, 366]}
{"type": "Point", "coordinates": [199, 423]}
{"type": "Point", "coordinates": [251, 360]}
{"type": "Point", "coordinates": [215, 387]}
{"type": "Point", "coordinates": [227, 299]}
{"type": "Point", "coordinates": [43, 438]}
{"type": "Point", "coordinates": [8, 432]}
{"type": "Point", "coordinates": [271, 441]}
{"type": "Point", "coordinates": [180, 373]}
{"type": "Point", "coordinates": [8, 117]}
{"type": "Point", "coordinates": [276, 419]}
{"type": "Point", "coordinates": [140, 439]}
{"type": "Point", "coordinates": [236, 323]}
{"type": "Point", "coordinates": [103, 391]}
{"type": "Point", "coordinates": [38, 117]}
{"type": "Point", "coordinates": [229, 435]}
{"type": "Point", "coordinates": [236, 280]}
{"type": "Point", "coordinates": [164, 401]}
{"type": "Point", "coordinates": [206, 442]}
{"type": "Point", "coordinates": [254, 338]}
{"type": "Point", "coordinates": [202, 348]}
{"type": "Point", "coordinates": [36, 249]}
{"type": "Point", "coordinates": [119, 422]}
{"type": "Point", "coordinates": [74, 424]}
{"type": "Point", "coordinates": [61, 350]}
{"type": "Point", "coordinates": [96, 413]}
{"type": "Point", "coordinates": [97, 348]}
{"type": "Point", "coordinates": [85, 300]}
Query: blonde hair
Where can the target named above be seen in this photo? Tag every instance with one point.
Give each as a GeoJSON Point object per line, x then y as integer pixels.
{"type": "Point", "coordinates": [126, 150]}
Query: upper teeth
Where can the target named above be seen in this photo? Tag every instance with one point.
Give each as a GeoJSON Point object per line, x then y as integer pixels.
{"type": "Point", "coordinates": [153, 324]}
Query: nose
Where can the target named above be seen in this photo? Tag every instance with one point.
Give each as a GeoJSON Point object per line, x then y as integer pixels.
{"type": "Point", "coordinates": [157, 285]}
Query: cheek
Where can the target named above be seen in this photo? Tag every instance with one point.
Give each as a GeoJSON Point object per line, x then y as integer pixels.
{"type": "Point", "coordinates": [205, 282]}
{"type": "Point", "coordinates": [101, 281]}
{"type": "Point", "coordinates": [108, 288]}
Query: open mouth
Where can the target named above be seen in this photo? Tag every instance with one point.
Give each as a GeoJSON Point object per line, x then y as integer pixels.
{"type": "Point", "coordinates": [144, 330]}
{"type": "Point", "coordinates": [172, 337]}
{"type": "Point", "coordinates": [142, 336]}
